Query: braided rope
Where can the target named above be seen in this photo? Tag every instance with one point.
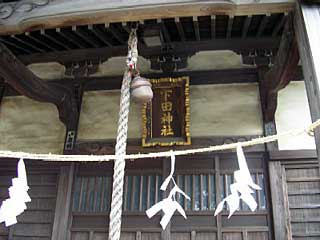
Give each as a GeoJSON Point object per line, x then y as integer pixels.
{"type": "Point", "coordinates": [120, 149]}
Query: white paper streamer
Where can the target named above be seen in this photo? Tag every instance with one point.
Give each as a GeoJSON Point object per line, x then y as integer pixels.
{"type": "Point", "coordinates": [18, 192]}
{"type": "Point", "coordinates": [168, 205]}
{"type": "Point", "coordinates": [242, 188]}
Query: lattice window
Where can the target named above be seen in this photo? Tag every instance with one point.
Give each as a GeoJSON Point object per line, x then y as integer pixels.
{"type": "Point", "coordinates": [259, 196]}
{"type": "Point", "coordinates": [201, 189]}
{"type": "Point", "coordinates": [92, 194]}
{"type": "Point", "coordinates": [141, 192]}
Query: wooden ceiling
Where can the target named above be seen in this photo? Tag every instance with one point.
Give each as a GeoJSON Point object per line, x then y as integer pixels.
{"type": "Point", "coordinates": [254, 35]}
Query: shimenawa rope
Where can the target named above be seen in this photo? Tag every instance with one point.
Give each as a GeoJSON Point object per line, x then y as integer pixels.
{"type": "Point", "coordinates": [104, 158]}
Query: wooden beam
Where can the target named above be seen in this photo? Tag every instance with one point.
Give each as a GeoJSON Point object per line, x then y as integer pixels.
{"type": "Point", "coordinates": [164, 32]}
{"type": "Point", "coordinates": [15, 46]}
{"type": "Point", "coordinates": [100, 34]}
{"type": "Point", "coordinates": [41, 43]}
{"type": "Point", "coordinates": [306, 24]}
{"type": "Point", "coordinates": [29, 45]}
{"type": "Point", "coordinates": [180, 29]}
{"type": "Point", "coordinates": [24, 81]}
{"type": "Point", "coordinates": [229, 27]}
{"type": "Point", "coordinates": [2, 90]}
{"type": "Point", "coordinates": [70, 38]}
{"type": "Point", "coordinates": [279, 25]}
{"type": "Point", "coordinates": [99, 147]}
{"type": "Point", "coordinates": [53, 40]}
{"type": "Point", "coordinates": [84, 37]}
{"type": "Point", "coordinates": [115, 33]}
{"type": "Point", "coordinates": [246, 26]}
{"type": "Point", "coordinates": [196, 28]}
{"type": "Point", "coordinates": [191, 47]}
{"type": "Point", "coordinates": [263, 24]}
{"type": "Point", "coordinates": [79, 12]}
{"type": "Point", "coordinates": [292, 155]}
{"type": "Point", "coordinates": [213, 26]}
{"type": "Point", "coordinates": [223, 76]}
{"type": "Point", "coordinates": [281, 73]}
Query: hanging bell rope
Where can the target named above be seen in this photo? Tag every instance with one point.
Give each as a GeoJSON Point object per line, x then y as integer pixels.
{"type": "Point", "coordinates": [120, 149]}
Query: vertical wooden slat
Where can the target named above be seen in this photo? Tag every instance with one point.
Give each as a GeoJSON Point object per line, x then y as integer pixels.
{"type": "Point", "coordinates": [193, 207]}
{"type": "Point", "coordinates": [91, 235]}
{"type": "Point", "coordinates": [156, 192]}
{"type": "Point", "coordinates": [166, 234]}
{"type": "Point", "coordinates": [257, 192]}
{"type": "Point", "coordinates": [226, 184]}
{"type": "Point", "coordinates": [87, 206]}
{"type": "Point", "coordinates": [138, 235]}
{"type": "Point", "coordinates": [286, 200]}
{"type": "Point", "coordinates": [102, 194]}
{"type": "Point", "coordinates": [63, 203]}
{"type": "Point", "coordinates": [193, 235]}
{"type": "Point", "coordinates": [218, 194]}
{"type": "Point", "coordinates": [201, 190]}
{"type": "Point", "coordinates": [96, 190]}
{"type": "Point", "coordinates": [186, 191]}
{"type": "Point", "coordinates": [141, 193]}
{"type": "Point", "coordinates": [134, 178]}
{"type": "Point", "coordinates": [209, 192]}
{"type": "Point", "coordinates": [148, 191]}
{"type": "Point", "coordinates": [244, 234]}
{"type": "Point", "coordinates": [81, 193]}
{"type": "Point", "coordinates": [125, 190]}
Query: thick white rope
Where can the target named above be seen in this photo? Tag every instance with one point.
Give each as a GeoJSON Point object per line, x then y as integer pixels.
{"type": "Point", "coordinates": [104, 158]}
{"type": "Point", "coordinates": [121, 145]}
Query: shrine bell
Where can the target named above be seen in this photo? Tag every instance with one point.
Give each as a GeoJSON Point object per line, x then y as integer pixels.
{"type": "Point", "coordinates": [141, 91]}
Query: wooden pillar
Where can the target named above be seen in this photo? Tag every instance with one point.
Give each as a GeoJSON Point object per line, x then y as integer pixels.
{"type": "Point", "coordinates": [279, 195]}
{"type": "Point", "coordinates": [306, 25]}
{"type": "Point", "coordinates": [2, 88]}
{"type": "Point", "coordinates": [63, 203]}
{"type": "Point", "coordinates": [63, 210]}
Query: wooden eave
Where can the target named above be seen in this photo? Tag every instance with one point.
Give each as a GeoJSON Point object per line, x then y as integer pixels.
{"type": "Point", "coordinates": [24, 17]}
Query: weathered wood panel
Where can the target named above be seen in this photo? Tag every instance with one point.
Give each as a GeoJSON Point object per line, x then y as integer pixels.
{"type": "Point", "coordinates": [303, 184]}
{"type": "Point", "coordinates": [36, 222]}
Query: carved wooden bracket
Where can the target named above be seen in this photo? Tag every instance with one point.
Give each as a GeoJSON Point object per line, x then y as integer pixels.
{"type": "Point", "coordinates": [25, 82]}
{"type": "Point", "coordinates": [281, 73]}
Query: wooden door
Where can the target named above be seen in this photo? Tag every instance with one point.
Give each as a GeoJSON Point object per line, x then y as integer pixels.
{"type": "Point", "coordinates": [205, 178]}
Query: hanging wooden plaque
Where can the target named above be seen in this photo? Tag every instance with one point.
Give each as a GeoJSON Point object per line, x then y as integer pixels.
{"type": "Point", "coordinates": [166, 119]}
